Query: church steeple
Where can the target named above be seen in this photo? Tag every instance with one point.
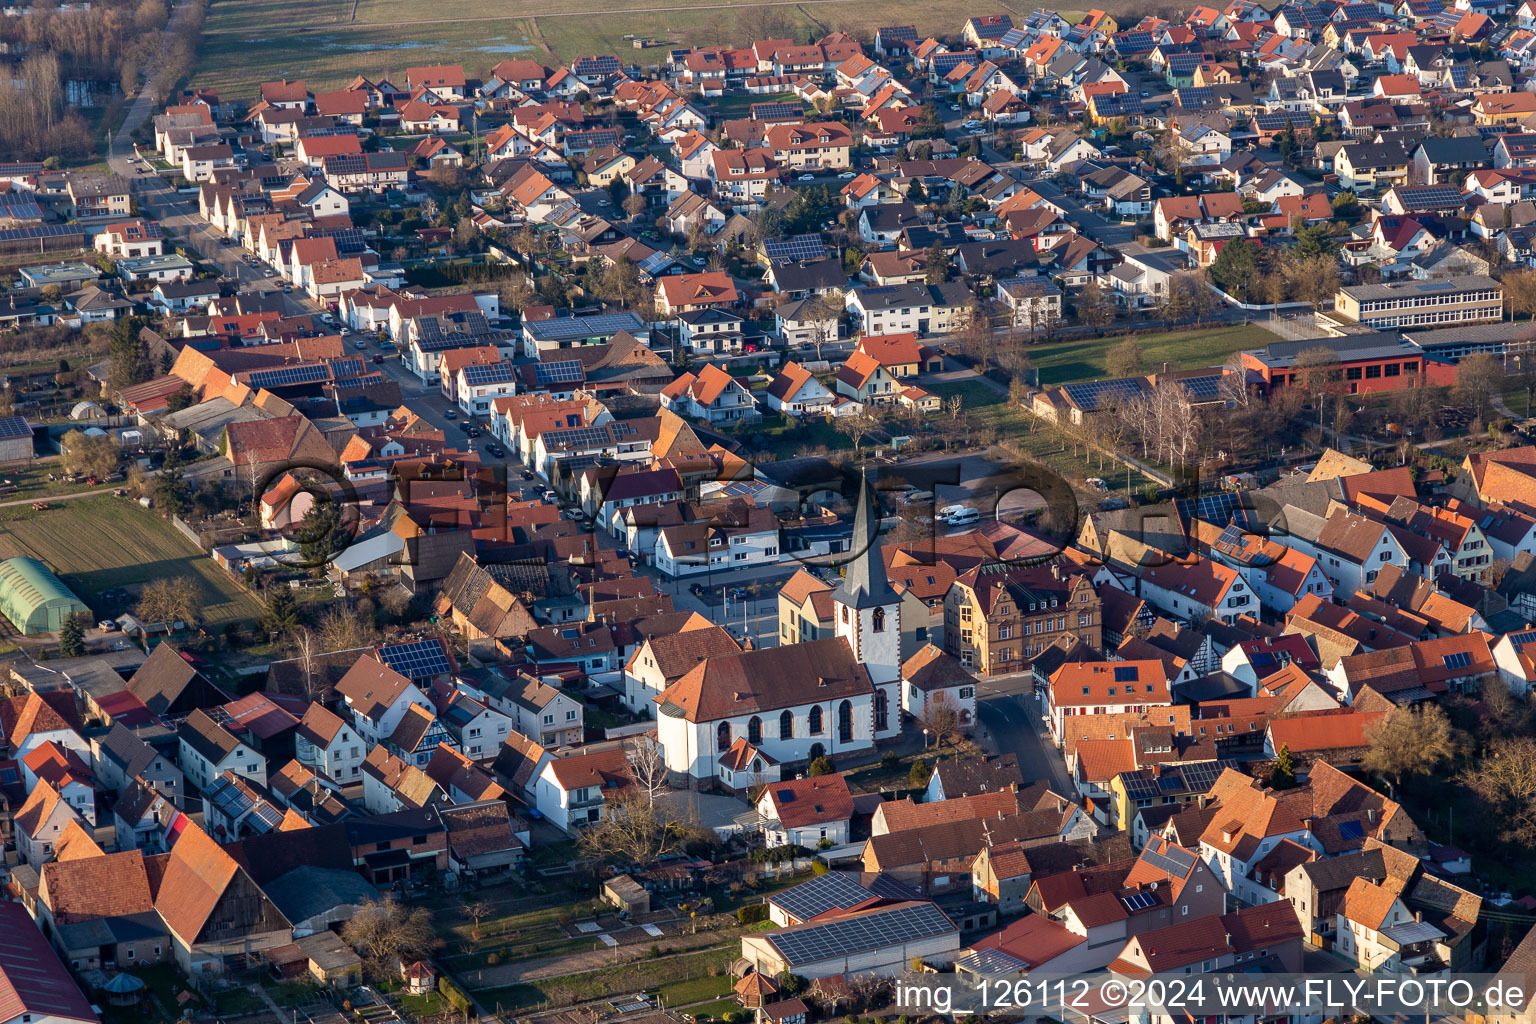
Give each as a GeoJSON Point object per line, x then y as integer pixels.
{"type": "Point", "coordinates": [865, 584]}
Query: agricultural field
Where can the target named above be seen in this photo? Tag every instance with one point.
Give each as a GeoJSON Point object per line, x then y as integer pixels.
{"type": "Point", "coordinates": [328, 42]}
{"type": "Point", "coordinates": [101, 544]}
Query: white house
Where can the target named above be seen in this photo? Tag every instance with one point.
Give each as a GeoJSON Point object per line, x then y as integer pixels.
{"type": "Point", "coordinates": [711, 395]}
{"type": "Point", "coordinates": [795, 391]}
{"type": "Point", "coordinates": [932, 681]}
{"type": "Point", "coordinates": [208, 750]}
{"type": "Point", "coordinates": [705, 546]}
{"type": "Point", "coordinates": [806, 812]}
{"type": "Point", "coordinates": [572, 791]}
{"type": "Point", "coordinates": [376, 697]}
{"type": "Point", "coordinates": [328, 746]}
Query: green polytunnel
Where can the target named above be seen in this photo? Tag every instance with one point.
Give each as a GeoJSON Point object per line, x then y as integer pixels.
{"type": "Point", "coordinates": [33, 598]}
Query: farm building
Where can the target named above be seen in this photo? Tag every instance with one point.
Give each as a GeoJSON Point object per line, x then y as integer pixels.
{"type": "Point", "coordinates": [33, 598]}
{"type": "Point", "coordinates": [15, 439]}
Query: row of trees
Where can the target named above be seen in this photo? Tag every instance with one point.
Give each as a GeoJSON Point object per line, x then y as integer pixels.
{"type": "Point", "coordinates": [1305, 272]}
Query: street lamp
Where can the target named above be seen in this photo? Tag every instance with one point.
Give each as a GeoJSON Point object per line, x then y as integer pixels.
{"type": "Point", "coordinates": [925, 741]}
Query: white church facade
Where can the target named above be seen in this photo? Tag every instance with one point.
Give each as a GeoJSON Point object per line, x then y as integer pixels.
{"type": "Point", "coordinates": [801, 701]}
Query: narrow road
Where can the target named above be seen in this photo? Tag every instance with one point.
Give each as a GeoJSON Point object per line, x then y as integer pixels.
{"type": "Point", "coordinates": [119, 156]}
{"type": "Point", "coordinates": [1010, 713]}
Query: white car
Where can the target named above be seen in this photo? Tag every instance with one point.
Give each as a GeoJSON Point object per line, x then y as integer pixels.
{"type": "Point", "coordinates": [847, 174]}
{"type": "Point", "coordinates": [955, 106]}
{"type": "Point", "coordinates": [806, 177]}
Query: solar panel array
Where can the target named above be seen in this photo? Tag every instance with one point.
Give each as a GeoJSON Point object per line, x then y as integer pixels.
{"type": "Point", "coordinates": [420, 659]}
{"type": "Point", "coordinates": [479, 374]}
{"type": "Point", "coordinates": [1202, 389]}
{"type": "Point", "coordinates": [839, 938]}
{"type": "Point", "coordinates": [655, 263]}
{"type": "Point", "coordinates": [567, 327]}
{"type": "Point", "coordinates": [1523, 638]}
{"type": "Point", "coordinates": [1216, 509]}
{"type": "Point", "coordinates": [1351, 830]}
{"type": "Point", "coordinates": [41, 231]}
{"type": "Point", "coordinates": [14, 426]}
{"type": "Point", "coordinates": [1196, 777]}
{"type": "Point", "coordinates": [1430, 197]}
{"type": "Point", "coordinates": [833, 890]}
{"type": "Point", "coordinates": [1461, 659]}
{"type": "Point", "coordinates": [1139, 901]}
{"type": "Point", "coordinates": [776, 111]}
{"type": "Point", "coordinates": [600, 65]}
{"type": "Point", "coordinates": [1091, 395]}
{"type": "Point", "coordinates": [1176, 862]}
{"type": "Point", "coordinates": [311, 373]}
{"type": "Point", "coordinates": [566, 371]}
{"type": "Point", "coordinates": [1126, 674]}
{"type": "Point", "coordinates": [796, 247]}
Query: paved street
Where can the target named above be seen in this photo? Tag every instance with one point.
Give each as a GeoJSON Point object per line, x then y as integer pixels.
{"type": "Point", "coordinates": [1011, 715]}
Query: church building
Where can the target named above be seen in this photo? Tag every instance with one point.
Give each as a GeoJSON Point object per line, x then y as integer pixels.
{"type": "Point", "coordinates": [801, 701]}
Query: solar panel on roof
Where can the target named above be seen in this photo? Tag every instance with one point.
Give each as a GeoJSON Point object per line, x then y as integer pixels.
{"type": "Point", "coordinates": [1169, 782]}
{"type": "Point", "coordinates": [1520, 639]}
{"type": "Point", "coordinates": [40, 231]}
{"type": "Point", "coordinates": [288, 375]}
{"type": "Point", "coordinates": [1430, 196]}
{"type": "Point", "coordinates": [798, 247]}
{"type": "Point", "coordinates": [1202, 389]}
{"type": "Point", "coordinates": [1093, 394]}
{"type": "Point", "coordinates": [420, 659]}
{"type": "Point", "coordinates": [1351, 830]}
{"type": "Point", "coordinates": [14, 426]}
{"type": "Point", "coordinates": [1138, 901]}
{"type": "Point", "coordinates": [831, 891]}
{"type": "Point", "coordinates": [841, 937]}
{"type": "Point", "coordinates": [1126, 673]}
{"type": "Point", "coordinates": [1461, 659]}
{"type": "Point", "coordinates": [487, 373]}
{"type": "Point", "coordinates": [1174, 862]}
{"type": "Point", "coordinates": [563, 372]}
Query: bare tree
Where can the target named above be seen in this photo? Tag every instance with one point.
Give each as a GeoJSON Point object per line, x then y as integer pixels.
{"type": "Point", "coordinates": [477, 911]}
{"type": "Point", "coordinates": [388, 935]}
{"type": "Point", "coordinates": [632, 830]}
{"type": "Point", "coordinates": [308, 647]}
{"type": "Point", "coordinates": [179, 599]}
{"type": "Point", "coordinates": [648, 766]}
{"type": "Point", "coordinates": [345, 629]}
{"type": "Point", "coordinates": [1234, 382]}
{"type": "Point", "coordinates": [941, 717]}
{"type": "Point", "coordinates": [952, 405]}
{"type": "Point", "coordinates": [1409, 742]}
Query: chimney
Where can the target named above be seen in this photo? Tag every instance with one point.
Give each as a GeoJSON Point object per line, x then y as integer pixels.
{"type": "Point", "coordinates": [1229, 940]}
{"type": "Point", "coordinates": [1370, 815]}
{"type": "Point", "coordinates": [1203, 798]}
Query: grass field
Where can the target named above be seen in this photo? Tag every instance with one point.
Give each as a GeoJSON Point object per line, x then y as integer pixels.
{"type": "Point", "coordinates": [326, 45]}
{"type": "Point", "coordinates": [101, 544]}
{"type": "Point", "coordinates": [1067, 361]}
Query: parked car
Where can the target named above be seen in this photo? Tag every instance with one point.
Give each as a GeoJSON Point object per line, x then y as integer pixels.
{"type": "Point", "coordinates": [452, 414]}
{"type": "Point", "coordinates": [806, 177]}
{"type": "Point", "coordinates": [847, 174]}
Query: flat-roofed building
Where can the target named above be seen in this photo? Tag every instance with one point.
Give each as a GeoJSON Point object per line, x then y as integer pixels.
{"type": "Point", "coordinates": [1458, 300]}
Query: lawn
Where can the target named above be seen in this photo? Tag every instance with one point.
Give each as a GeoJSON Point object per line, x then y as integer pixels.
{"type": "Point", "coordinates": [985, 408]}
{"type": "Point", "coordinates": [426, 1004]}
{"type": "Point", "coordinates": [612, 981]}
{"type": "Point", "coordinates": [694, 990]}
{"type": "Point", "coordinates": [1066, 361]}
{"type": "Point", "coordinates": [715, 1010]}
{"type": "Point", "coordinates": [101, 544]}
{"type": "Point", "coordinates": [326, 43]}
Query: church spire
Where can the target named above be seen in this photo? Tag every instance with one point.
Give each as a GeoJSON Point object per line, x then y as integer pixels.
{"type": "Point", "coordinates": [865, 584]}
